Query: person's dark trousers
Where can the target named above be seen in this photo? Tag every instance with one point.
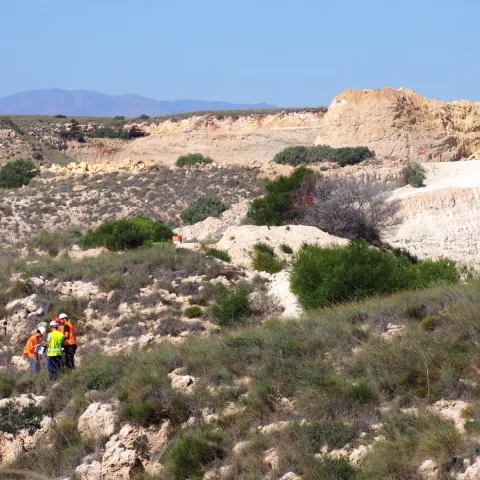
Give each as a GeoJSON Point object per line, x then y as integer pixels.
{"type": "Point", "coordinates": [54, 366]}
{"type": "Point", "coordinates": [69, 351]}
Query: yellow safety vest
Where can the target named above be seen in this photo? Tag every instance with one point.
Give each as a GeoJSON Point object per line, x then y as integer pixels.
{"type": "Point", "coordinates": [55, 344]}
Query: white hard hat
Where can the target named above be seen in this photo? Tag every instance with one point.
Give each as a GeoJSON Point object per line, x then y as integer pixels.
{"type": "Point", "coordinates": [54, 324]}
{"type": "Point", "coordinates": [62, 316]}
{"type": "Point", "coordinates": [42, 330]}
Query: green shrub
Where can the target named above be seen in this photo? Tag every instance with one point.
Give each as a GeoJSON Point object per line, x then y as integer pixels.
{"type": "Point", "coordinates": [430, 322]}
{"type": "Point", "coordinates": [417, 178]}
{"type": "Point", "coordinates": [13, 419]}
{"type": "Point", "coordinates": [17, 173]}
{"type": "Point", "coordinates": [265, 259]}
{"type": "Point", "coordinates": [128, 233]}
{"type": "Point", "coordinates": [324, 276]}
{"type": "Point", "coordinates": [60, 116]}
{"type": "Point", "coordinates": [7, 384]}
{"type": "Point", "coordinates": [189, 456]}
{"type": "Point", "coordinates": [202, 208]}
{"type": "Point", "coordinates": [274, 207]}
{"type": "Point", "coordinates": [119, 117]}
{"type": "Point", "coordinates": [120, 133]}
{"type": "Point", "coordinates": [286, 249]}
{"type": "Point", "coordinates": [143, 117]}
{"type": "Point", "coordinates": [331, 469]}
{"type": "Point", "coordinates": [232, 307]}
{"type": "Point", "coordinates": [220, 254]}
{"type": "Point", "coordinates": [194, 311]}
{"type": "Point", "coordinates": [192, 159]}
{"type": "Point", "coordinates": [323, 153]}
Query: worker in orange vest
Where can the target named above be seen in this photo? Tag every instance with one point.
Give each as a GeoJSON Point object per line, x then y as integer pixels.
{"type": "Point", "coordinates": [70, 344]}
{"type": "Point", "coordinates": [31, 349]}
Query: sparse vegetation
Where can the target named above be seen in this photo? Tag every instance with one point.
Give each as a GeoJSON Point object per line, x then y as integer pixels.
{"type": "Point", "coordinates": [17, 173]}
{"type": "Point", "coordinates": [323, 153]}
{"type": "Point", "coordinates": [128, 233]}
{"type": "Point", "coordinates": [232, 307]}
{"type": "Point", "coordinates": [13, 419]}
{"type": "Point", "coordinates": [220, 254]}
{"type": "Point", "coordinates": [202, 208]}
{"type": "Point", "coordinates": [118, 132]}
{"type": "Point", "coordinates": [192, 159]}
{"type": "Point", "coordinates": [265, 259]}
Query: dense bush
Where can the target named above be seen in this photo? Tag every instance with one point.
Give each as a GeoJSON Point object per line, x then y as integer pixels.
{"type": "Point", "coordinates": [202, 208]}
{"type": "Point", "coordinates": [286, 249]}
{"type": "Point", "coordinates": [143, 117]}
{"type": "Point", "coordinates": [17, 173]}
{"type": "Point", "coordinates": [13, 419]}
{"type": "Point", "coordinates": [190, 455]}
{"type": "Point", "coordinates": [323, 153]}
{"type": "Point", "coordinates": [192, 159]}
{"type": "Point", "coordinates": [128, 233]}
{"type": "Point", "coordinates": [324, 276]}
{"type": "Point", "coordinates": [232, 307]}
{"type": "Point", "coordinates": [60, 116]}
{"type": "Point", "coordinates": [274, 207]}
{"type": "Point", "coordinates": [220, 254]}
{"type": "Point", "coordinates": [265, 259]}
{"type": "Point", "coordinates": [418, 176]}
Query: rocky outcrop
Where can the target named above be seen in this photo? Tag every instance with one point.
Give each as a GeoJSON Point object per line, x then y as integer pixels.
{"type": "Point", "coordinates": [397, 123]}
{"type": "Point", "coordinates": [97, 421]}
{"type": "Point", "coordinates": [239, 241]}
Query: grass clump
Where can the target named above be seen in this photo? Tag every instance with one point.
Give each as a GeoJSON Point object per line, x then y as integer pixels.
{"type": "Point", "coordinates": [190, 455]}
{"type": "Point", "coordinates": [286, 249]}
{"type": "Point", "coordinates": [202, 208]}
{"type": "Point", "coordinates": [232, 307]}
{"type": "Point", "coordinates": [265, 259]}
{"type": "Point", "coordinates": [220, 254]}
{"type": "Point", "coordinates": [323, 153]}
{"type": "Point", "coordinates": [418, 176]}
{"type": "Point", "coordinates": [128, 233]}
{"type": "Point", "coordinates": [195, 311]}
{"type": "Point", "coordinates": [17, 173]}
{"type": "Point", "coordinates": [325, 276]}
{"type": "Point", "coordinates": [274, 207]}
{"type": "Point", "coordinates": [192, 159]}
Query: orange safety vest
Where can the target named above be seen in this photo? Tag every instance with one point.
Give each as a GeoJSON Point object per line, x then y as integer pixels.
{"type": "Point", "coordinates": [32, 344]}
{"type": "Point", "coordinates": [71, 335]}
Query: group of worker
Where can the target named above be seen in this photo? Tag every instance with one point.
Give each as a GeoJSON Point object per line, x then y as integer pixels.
{"type": "Point", "coordinates": [61, 345]}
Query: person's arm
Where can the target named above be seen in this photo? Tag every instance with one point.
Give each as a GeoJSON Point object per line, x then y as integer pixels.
{"type": "Point", "coordinates": [66, 332]}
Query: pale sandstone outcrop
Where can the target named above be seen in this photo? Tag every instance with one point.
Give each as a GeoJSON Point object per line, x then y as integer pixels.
{"type": "Point", "coordinates": [212, 229]}
{"type": "Point", "coordinates": [89, 471]}
{"type": "Point", "coordinates": [239, 241]}
{"type": "Point", "coordinates": [98, 420]}
{"type": "Point", "coordinates": [398, 123]}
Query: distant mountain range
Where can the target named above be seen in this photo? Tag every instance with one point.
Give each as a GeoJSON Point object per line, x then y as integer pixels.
{"type": "Point", "coordinates": [88, 103]}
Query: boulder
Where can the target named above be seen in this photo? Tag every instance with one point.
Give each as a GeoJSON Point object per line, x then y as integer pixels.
{"type": "Point", "coordinates": [78, 289]}
{"type": "Point", "coordinates": [98, 420]}
{"type": "Point", "coordinates": [90, 471]}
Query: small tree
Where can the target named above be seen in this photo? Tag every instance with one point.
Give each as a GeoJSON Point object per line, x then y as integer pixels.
{"type": "Point", "coordinates": [17, 173]}
{"type": "Point", "coordinates": [202, 208]}
{"type": "Point", "coordinates": [274, 207]}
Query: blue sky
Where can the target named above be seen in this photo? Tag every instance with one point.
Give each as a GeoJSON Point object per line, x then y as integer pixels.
{"type": "Point", "coordinates": [285, 52]}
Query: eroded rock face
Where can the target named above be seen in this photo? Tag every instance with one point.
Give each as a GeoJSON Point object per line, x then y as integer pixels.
{"type": "Point", "coordinates": [397, 123]}
{"type": "Point", "coordinates": [22, 317]}
{"type": "Point", "coordinates": [98, 420]}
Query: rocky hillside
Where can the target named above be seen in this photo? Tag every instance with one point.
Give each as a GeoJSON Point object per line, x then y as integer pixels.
{"type": "Point", "coordinates": [399, 123]}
